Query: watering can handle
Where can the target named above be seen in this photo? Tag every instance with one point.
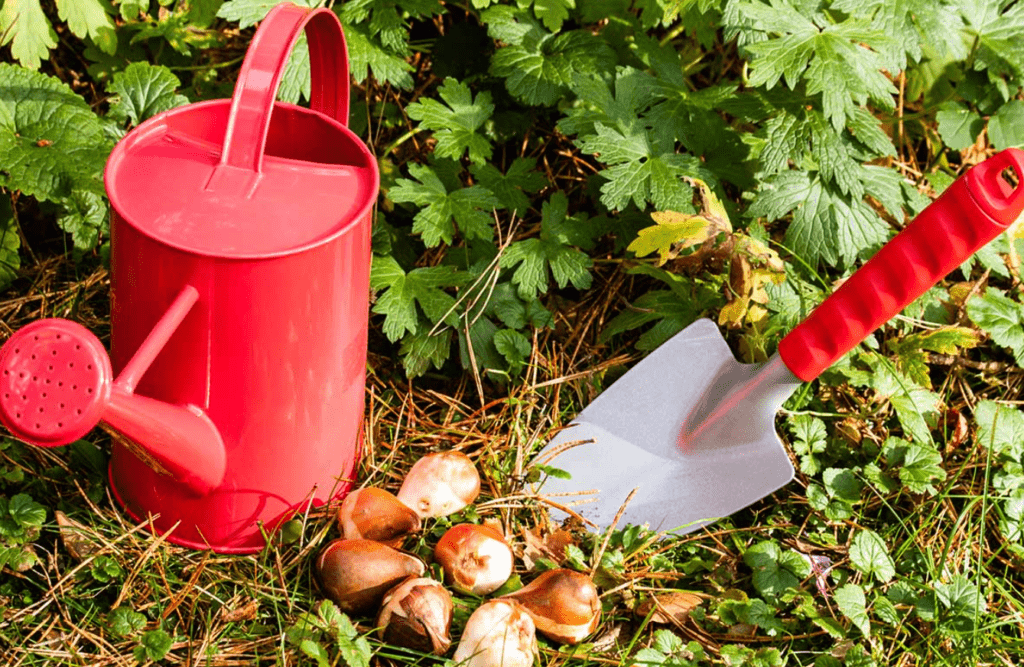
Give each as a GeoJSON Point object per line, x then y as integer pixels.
{"type": "Point", "coordinates": [256, 88]}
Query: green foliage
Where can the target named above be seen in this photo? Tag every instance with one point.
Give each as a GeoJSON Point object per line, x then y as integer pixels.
{"type": "Point", "coordinates": [153, 645]}
{"type": "Point", "coordinates": [456, 122]}
{"type": "Point", "coordinates": [143, 90]}
{"type": "Point", "coordinates": [327, 632]}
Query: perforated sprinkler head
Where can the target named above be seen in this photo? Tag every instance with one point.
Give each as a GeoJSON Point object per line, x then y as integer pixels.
{"type": "Point", "coordinates": [55, 380]}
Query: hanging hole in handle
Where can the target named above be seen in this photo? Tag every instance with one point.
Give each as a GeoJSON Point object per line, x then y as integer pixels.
{"type": "Point", "coordinates": [1008, 180]}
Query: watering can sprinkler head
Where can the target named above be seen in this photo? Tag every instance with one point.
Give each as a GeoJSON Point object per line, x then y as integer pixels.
{"type": "Point", "coordinates": [56, 385]}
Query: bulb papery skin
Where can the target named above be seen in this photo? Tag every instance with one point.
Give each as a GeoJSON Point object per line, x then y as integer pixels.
{"type": "Point", "coordinates": [564, 605]}
{"type": "Point", "coordinates": [356, 574]}
{"type": "Point", "coordinates": [375, 514]}
{"type": "Point", "coordinates": [498, 634]}
{"type": "Point", "coordinates": [440, 484]}
{"type": "Point", "coordinates": [476, 559]}
{"type": "Point", "coordinates": [417, 614]}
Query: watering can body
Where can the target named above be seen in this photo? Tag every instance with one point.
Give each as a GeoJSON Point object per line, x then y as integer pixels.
{"type": "Point", "coordinates": [240, 254]}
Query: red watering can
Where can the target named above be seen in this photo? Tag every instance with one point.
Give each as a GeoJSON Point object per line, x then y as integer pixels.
{"type": "Point", "coordinates": [240, 260]}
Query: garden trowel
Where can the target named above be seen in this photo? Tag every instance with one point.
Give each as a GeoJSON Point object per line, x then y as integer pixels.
{"type": "Point", "coordinates": [693, 431]}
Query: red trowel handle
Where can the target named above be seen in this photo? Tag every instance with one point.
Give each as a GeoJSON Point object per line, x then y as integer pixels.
{"type": "Point", "coordinates": [969, 214]}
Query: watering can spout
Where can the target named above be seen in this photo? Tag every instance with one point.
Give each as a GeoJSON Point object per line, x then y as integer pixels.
{"type": "Point", "coordinates": [57, 385]}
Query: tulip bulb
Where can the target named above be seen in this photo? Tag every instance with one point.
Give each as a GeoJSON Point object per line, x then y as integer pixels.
{"type": "Point", "coordinates": [563, 604]}
{"type": "Point", "coordinates": [357, 573]}
{"type": "Point", "coordinates": [417, 614]}
{"type": "Point", "coordinates": [375, 514]}
{"type": "Point", "coordinates": [498, 634]}
{"type": "Point", "coordinates": [476, 559]}
{"type": "Point", "coordinates": [440, 484]}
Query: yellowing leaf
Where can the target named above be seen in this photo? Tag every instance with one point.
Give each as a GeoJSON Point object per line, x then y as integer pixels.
{"type": "Point", "coordinates": [677, 231]}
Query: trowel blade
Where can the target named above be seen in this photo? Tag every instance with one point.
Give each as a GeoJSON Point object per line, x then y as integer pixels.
{"type": "Point", "coordinates": [632, 431]}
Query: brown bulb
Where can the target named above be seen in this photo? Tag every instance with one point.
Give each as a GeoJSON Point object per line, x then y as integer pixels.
{"type": "Point", "coordinates": [375, 514]}
{"type": "Point", "coordinates": [498, 634]}
{"type": "Point", "coordinates": [563, 604]}
{"type": "Point", "coordinates": [476, 559]}
{"type": "Point", "coordinates": [417, 614]}
{"type": "Point", "coordinates": [357, 573]}
{"type": "Point", "coordinates": [440, 484]}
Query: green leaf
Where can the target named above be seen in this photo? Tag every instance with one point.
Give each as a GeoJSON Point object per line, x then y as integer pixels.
{"type": "Point", "coordinates": [366, 56]}
{"type": "Point", "coordinates": [773, 571]}
{"type": "Point", "coordinates": [958, 126]}
{"type": "Point", "coordinates": [153, 645]}
{"type": "Point", "coordinates": [843, 61]}
{"type": "Point", "coordinates": [1006, 127]}
{"type": "Point", "coordinates": [25, 27]}
{"type": "Point", "coordinates": [1000, 429]}
{"type": "Point", "coordinates": [423, 349]}
{"type": "Point", "coordinates": [538, 67]}
{"type": "Point", "coordinates": [1011, 523]}
{"type": "Point", "coordinates": [1001, 318]}
{"type": "Point", "coordinates": [534, 258]}
{"type": "Point", "coordinates": [914, 404]}
{"type": "Point", "coordinates": [403, 291]}
{"type": "Point", "coordinates": [870, 556]}
{"type": "Point", "coordinates": [26, 512]}
{"type": "Point", "coordinates": [125, 621]}
{"type": "Point", "coordinates": [88, 18]}
{"type": "Point", "coordinates": [552, 13]}
{"type": "Point", "coordinates": [809, 439]}
{"type": "Point", "coordinates": [143, 90]}
{"type": "Point", "coordinates": [638, 172]}
{"type": "Point", "coordinates": [250, 12]}
{"type": "Point", "coordinates": [84, 215]}
{"type": "Point", "coordinates": [995, 27]}
{"type": "Point", "coordinates": [51, 142]}
{"type": "Point", "coordinates": [313, 650]}
{"type": "Point", "coordinates": [467, 210]}
{"type": "Point", "coordinates": [455, 125]}
{"type": "Point", "coordinates": [515, 347]}
{"type": "Point", "coordinates": [919, 466]}
{"type": "Point", "coordinates": [851, 601]}
{"type": "Point", "coordinates": [10, 242]}
{"type": "Point", "coordinates": [511, 188]}
{"type": "Point", "coordinates": [295, 80]}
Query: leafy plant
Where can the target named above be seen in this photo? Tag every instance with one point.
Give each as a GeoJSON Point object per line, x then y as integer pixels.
{"type": "Point", "coordinates": [325, 632]}
{"type": "Point", "coordinates": [21, 520]}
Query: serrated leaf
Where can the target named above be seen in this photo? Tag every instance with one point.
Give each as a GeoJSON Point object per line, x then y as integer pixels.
{"type": "Point", "coordinates": [772, 577]}
{"type": "Point", "coordinates": [153, 645]}
{"type": "Point", "coordinates": [958, 126]}
{"type": "Point", "coordinates": [1000, 429]}
{"type": "Point", "coordinates": [403, 291]}
{"type": "Point", "coordinates": [84, 215]}
{"type": "Point", "coordinates": [142, 91]}
{"type": "Point", "coordinates": [125, 621]}
{"type": "Point", "coordinates": [51, 142]}
{"type": "Point", "coordinates": [638, 172]}
{"type": "Point", "coordinates": [366, 56]}
{"type": "Point", "coordinates": [851, 601]}
{"type": "Point", "coordinates": [676, 231]}
{"type": "Point", "coordinates": [919, 466]}
{"type": "Point", "coordinates": [870, 556]}
{"type": "Point", "coordinates": [25, 27]}
{"type": "Point", "coordinates": [1006, 126]}
{"type": "Point", "coordinates": [539, 69]}
{"type": "Point", "coordinates": [511, 188]}
{"type": "Point", "coordinates": [913, 404]}
{"type": "Point", "coordinates": [1001, 318]}
{"type": "Point", "coordinates": [552, 13]}
{"type": "Point", "coordinates": [515, 347]}
{"type": "Point", "coordinates": [250, 12]}
{"type": "Point", "coordinates": [533, 258]}
{"type": "Point", "coordinates": [88, 18]}
{"type": "Point", "coordinates": [295, 80]}
{"type": "Point", "coordinates": [456, 125]}
{"type": "Point", "coordinates": [26, 512]}
{"type": "Point", "coordinates": [10, 242]}
{"type": "Point", "coordinates": [443, 212]}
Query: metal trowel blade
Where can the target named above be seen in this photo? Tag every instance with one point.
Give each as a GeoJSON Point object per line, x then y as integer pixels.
{"type": "Point", "coordinates": [631, 439]}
